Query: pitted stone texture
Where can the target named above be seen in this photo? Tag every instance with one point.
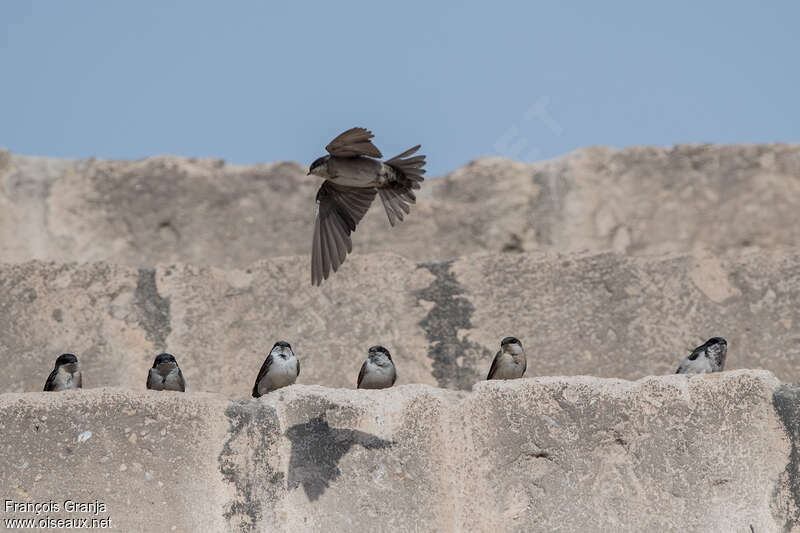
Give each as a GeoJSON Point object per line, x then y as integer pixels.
{"type": "Point", "coordinates": [91, 311]}
{"type": "Point", "coordinates": [578, 314]}
{"type": "Point", "coordinates": [675, 453]}
{"type": "Point", "coordinates": [170, 209]}
{"type": "Point", "coordinates": [620, 316]}
{"type": "Point", "coordinates": [150, 457]}
{"type": "Point", "coordinates": [659, 454]}
{"type": "Point", "coordinates": [220, 325]}
{"type": "Point", "coordinates": [364, 460]}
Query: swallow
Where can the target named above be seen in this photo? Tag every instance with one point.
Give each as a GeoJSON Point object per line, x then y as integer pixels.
{"type": "Point", "coordinates": [165, 374]}
{"type": "Point", "coordinates": [281, 368]}
{"type": "Point", "coordinates": [510, 362]}
{"type": "Point", "coordinates": [706, 358]}
{"type": "Point", "coordinates": [66, 374]}
{"type": "Point", "coordinates": [378, 371]}
{"type": "Point", "coordinates": [354, 174]}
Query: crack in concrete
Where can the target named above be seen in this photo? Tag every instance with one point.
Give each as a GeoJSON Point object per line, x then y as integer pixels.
{"type": "Point", "coordinates": [455, 361]}
{"type": "Point", "coordinates": [153, 310]}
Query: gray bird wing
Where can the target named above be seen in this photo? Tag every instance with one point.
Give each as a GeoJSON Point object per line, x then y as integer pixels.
{"type": "Point", "coordinates": [182, 380]}
{"type": "Point", "coordinates": [696, 353]}
{"type": "Point", "coordinates": [495, 364]}
{"type": "Point", "coordinates": [394, 377]}
{"type": "Point", "coordinates": [361, 374]}
{"type": "Point", "coordinates": [353, 143]}
{"type": "Point", "coordinates": [398, 195]}
{"type": "Point", "coordinates": [149, 383]}
{"type": "Point", "coordinates": [692, 357]}
{"type": "Point", "coordinates": [48, 384]}
{"type": "Point", "coordinates": [261, 374]}
{"type": "Point", "coordinates": [79, 384]}
{"type": "Point", "coordinates": [298, 365]}
{"type": "Point", "coordinates": [339, 210]}
{"type": "Point", "coordinates": [396, 199]}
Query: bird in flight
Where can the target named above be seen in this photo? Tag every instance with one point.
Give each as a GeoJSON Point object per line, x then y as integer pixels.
{"type": "Point", "coordinates": [353, 175]}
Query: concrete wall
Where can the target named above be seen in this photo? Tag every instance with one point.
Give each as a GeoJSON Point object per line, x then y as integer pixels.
{"type": "Point", "coordinates": [167, 209]}
{"type": "Point", "coordinates": [605, 263]}
{"type": "Point", "coordinates": [606, 315]}
{"type": "Point", "coordinates": [706, 453]}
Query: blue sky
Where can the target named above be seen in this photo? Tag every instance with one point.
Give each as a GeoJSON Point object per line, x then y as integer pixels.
{"type": "Point", "coordinates": [263, 81]}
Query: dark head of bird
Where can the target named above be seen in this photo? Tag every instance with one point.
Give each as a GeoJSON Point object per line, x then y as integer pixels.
{"type": "Point", "coordinates": [717, 348]}
{"type": "Point", "coordinates": [319, 166]}
{"type": "Point", "coordinates": [511, 345]}
{"type": "Point", "coordinates": [378, 350]}
{"type": "Point", "coordinates": [68, 361]}
{"type": "Point", "coordinates": [510, 340]}
{"type": "Point", "coordinates": [65, 359]}
{"type": "Point", "coordinates": [164, 359]}
{"type": "Point", "coordinates": [282, 348]}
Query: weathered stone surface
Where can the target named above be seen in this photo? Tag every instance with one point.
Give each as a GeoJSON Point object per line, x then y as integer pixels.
{"type": "Point", "coordinates": [151, 458]}
{"type": "Point", "coordinates": [672, 453]}
{"type": "Point", "coordinates": [582, 314]}
{"type": "Point", "coordinates": [787, 497]}
{"type": "Point", "coordinates": [170, 209]}
{"type": "Point", "coordinates": [210, 261]}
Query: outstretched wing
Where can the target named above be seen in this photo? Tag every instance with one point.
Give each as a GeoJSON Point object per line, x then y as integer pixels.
{"type": "Point", "coordinates": [339, 210]}
{"type": "Point", "coordinates": [352, 143]}
{"type": "Point", "coordinates": [495, 363]}
{"type": "Point", "coordinates": [396, 199]}
{"type": "Point", "coordinates": [361, 374]}
{"type": "Point", "coordinates": [261, 374]}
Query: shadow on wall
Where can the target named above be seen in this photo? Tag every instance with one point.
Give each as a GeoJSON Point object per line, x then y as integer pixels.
{"type": "Point", "coordinates": [317, 449]}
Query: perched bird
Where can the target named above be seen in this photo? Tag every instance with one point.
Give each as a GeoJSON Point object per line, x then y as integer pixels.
{"type": "Point", "coordinates": [352, 178]}
{"type": "Point", "coordinates": [65, 375]}
{"type": "Point", "coordinates": [378, 370]}
{"type": "Point", "coordinates": [165, 374]}
{"type": "Point", "coordinates": [510, 361]}
{"type": "Point", "coordinates": [706, 358]}
{"type": "Point", "coordinates": [281, 368]}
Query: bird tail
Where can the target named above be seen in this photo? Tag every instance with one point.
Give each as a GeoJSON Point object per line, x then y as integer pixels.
{"type": "Point", "coordinates": [397, 196]}
{"type": "Point", "coordinates": [411, 167]}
